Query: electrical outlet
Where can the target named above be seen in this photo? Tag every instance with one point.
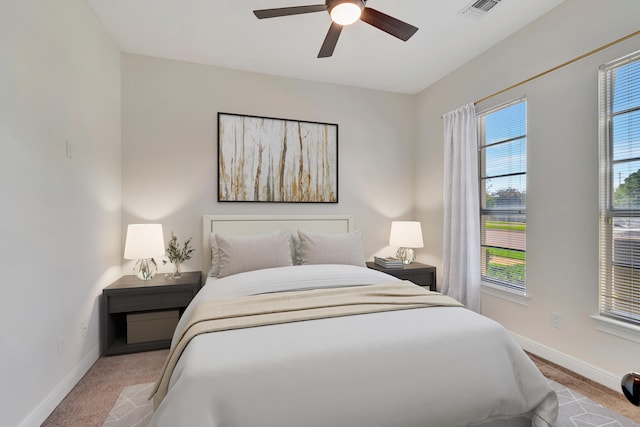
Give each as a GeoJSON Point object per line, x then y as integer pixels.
{"type": "Point", "coordinates": [60, 345]}
{"type": "Point", "coordinates": [83, 329]}
{"type": "Point", "coordinates": [557, 320]}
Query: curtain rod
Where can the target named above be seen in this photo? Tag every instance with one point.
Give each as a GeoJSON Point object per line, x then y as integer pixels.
{"type": "Point", "coordinates": [564, 64]}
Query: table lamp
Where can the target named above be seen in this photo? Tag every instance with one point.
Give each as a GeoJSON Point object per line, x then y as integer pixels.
{"type": "Point", "coordinates": [407, 235]}
{"type": "Point", "coordinates": [144, 242]}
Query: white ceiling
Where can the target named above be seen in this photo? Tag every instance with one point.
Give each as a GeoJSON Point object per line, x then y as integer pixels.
{"type": "Point", "coordinates": [226, 33]}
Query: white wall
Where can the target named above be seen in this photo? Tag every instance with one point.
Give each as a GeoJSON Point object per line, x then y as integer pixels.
{"type": "Point", "coordinates": [562, 196]}
{"type": "Point", "coordinates": [169, 167]}
{"type": "Point", "coordinates": [60, 217]}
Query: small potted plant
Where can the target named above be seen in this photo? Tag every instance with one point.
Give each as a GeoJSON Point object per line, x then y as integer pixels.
{"type": "Point", "coordinates": [178, 255]}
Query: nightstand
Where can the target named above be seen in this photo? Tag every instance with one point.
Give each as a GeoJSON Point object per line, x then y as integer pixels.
{"type": "Point", "coordinates": [130, 299]}
{"type": "Point", "coordinates": [416, 272]}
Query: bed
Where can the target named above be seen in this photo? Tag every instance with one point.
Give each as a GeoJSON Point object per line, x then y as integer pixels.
{"type": "Point", "coordinates": [395, 355]}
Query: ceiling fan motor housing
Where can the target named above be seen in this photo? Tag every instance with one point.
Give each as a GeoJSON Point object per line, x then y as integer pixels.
{"type": "Point", "coordinates": [332, 3]}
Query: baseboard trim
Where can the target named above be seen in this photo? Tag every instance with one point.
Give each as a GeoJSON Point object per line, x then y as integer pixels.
{"type": "Point", "coordinates": [578, 366]}
{"type": "Point", "coordinates": [40, 413]}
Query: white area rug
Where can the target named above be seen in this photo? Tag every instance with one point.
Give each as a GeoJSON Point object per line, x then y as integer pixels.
{"type": "Point", "coordinates": [133, 409]}
{"type": "Point", "coordinates": [579, 411]}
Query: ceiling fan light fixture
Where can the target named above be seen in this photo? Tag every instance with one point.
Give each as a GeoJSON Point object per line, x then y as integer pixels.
{"type": "Point", "coordinates": [346, 12]}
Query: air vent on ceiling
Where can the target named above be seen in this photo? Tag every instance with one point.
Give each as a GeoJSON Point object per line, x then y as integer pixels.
{"type": "Point", "coordinates": [479, 7]}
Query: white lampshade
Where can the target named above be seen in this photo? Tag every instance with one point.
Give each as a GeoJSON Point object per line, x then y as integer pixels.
{"type": "Point", "coordinates": [346, 12]}
{"type": "Point", "coordinates": [144, 241]}
{"type": "Point", "coordinates": [406, 234]}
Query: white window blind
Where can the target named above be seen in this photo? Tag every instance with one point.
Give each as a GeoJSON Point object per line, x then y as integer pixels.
{"type": "Point", "coordinates": [620, 189]}
{"type": "Point", "coordinates": [502, 134]}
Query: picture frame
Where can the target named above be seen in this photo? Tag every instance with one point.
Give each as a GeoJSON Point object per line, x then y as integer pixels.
{"type": "Point", "coordinates": [274, 160]}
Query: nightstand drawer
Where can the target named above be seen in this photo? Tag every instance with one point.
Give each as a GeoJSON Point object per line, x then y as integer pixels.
{"type": "Point", "coordinates": [418, 273]}
{"type": "Point", "coordinates": [419, 278]}
{"type": "Point", "coordinates": [154, 299]}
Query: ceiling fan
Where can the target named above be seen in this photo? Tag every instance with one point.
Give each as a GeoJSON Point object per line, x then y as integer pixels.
{"type": "Point", "coordinates": [344, 12]}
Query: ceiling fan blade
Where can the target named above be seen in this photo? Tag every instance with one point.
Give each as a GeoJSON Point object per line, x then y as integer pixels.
{"type": "Point", "coordinates": [286, 11]}
{"type": "Point", "coordinates": [330, 41]}
{"type": "Point", "coordinates": [388, 24]}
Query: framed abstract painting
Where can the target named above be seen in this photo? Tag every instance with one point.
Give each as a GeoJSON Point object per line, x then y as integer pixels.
{"type": "Point", "coordinates": [265, 159]}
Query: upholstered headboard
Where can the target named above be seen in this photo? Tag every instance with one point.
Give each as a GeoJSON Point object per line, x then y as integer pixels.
{"type": "Point", "coordinates": [245, 225]}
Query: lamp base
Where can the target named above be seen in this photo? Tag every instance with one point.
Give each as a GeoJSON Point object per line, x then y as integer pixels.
{"type": "Point", "coordinates": [406, 255]}
{"type": "Point", "coordinates": [145, 268]}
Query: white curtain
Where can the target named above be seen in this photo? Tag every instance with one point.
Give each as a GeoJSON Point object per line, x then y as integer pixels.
{"type": "Point", "coordinates": [461, 251]}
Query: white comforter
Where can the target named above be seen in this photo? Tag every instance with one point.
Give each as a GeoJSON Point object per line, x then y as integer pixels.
{"type": "Point", "coordinates": [439, 366]}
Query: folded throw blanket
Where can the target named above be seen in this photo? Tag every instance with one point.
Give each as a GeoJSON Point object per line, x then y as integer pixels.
{"type": "Point", "coordinates": [268, 309]}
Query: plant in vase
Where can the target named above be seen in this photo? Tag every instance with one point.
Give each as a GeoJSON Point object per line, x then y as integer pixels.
{"type": "Point", "coordinates": [178, 255]}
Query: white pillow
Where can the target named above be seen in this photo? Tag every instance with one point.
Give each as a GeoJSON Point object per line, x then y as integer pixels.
{"type": "Point", "coordinates": [214, 268]}
{"type": "Point", "coordinates": [297, 259]}
{"type": "Point", "coordinates": [246, 253]}
{"type": "Point", "coordinates": [215, 258]}
{"type": "Point", "coordinates": [316, 248]}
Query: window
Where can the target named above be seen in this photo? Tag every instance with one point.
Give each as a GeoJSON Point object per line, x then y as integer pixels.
{"type": "Point", "coordinates": [620, 189]}
{"type": "Point", "coordinates": [502, 134]}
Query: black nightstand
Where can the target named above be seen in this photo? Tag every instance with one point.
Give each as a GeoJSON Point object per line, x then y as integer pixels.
{"type": "Point", "coordinates": [416, 272]}
{"type": "Point", "coordinates": [132, 296]}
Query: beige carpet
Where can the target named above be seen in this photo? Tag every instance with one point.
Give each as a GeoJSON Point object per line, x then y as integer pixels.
{"type": "Point", "coordinates": [90, 401]}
